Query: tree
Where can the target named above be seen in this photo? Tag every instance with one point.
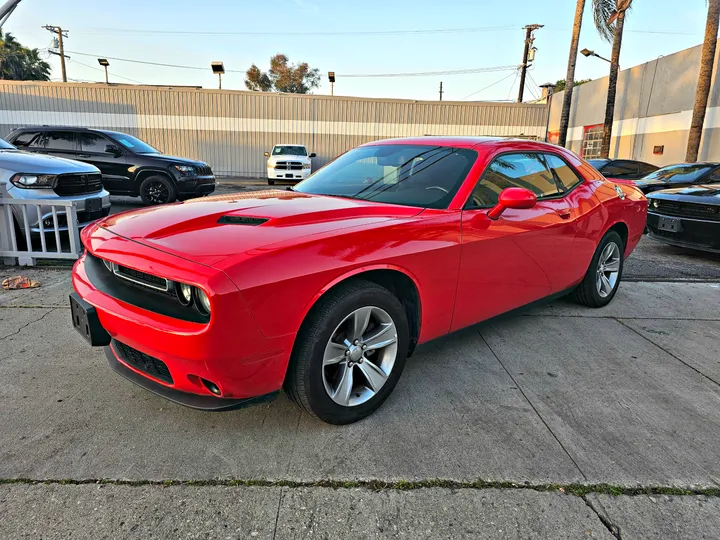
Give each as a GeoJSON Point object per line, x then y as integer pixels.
{"type": "Point", "coordinates": [609, 16]}
{"type": "Point", "coordinates": [560, 84]}
{"type": "Point", "coordinates": [570, 76]}
{"type": "Point", "coordinates": [283, 77]}
{"type": "Point", "coordinates": [707, 61]}
{"type": "Point", "coordinates": [20, 63]}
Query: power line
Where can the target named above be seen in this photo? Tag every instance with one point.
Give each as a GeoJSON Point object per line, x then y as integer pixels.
{"type": "Point", "coordinates": [98, 69]}
{"type": "Point", "coordinates": [489, 86]}
{"type": "Point", "coordinates": [517, 74]}
{"type": "Point", "coordinates": [532, 88]}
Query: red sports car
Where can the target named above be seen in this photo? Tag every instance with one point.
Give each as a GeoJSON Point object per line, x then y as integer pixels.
{"type": "Point", "coordinates": [325, 289]}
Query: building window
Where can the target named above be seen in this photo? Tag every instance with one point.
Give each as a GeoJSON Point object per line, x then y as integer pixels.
{"type": "Point", "coordinates": [592, 141]}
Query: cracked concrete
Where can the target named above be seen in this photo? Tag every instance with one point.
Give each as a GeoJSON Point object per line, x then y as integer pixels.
{"type": "Point", "coordinates": [626, 395]}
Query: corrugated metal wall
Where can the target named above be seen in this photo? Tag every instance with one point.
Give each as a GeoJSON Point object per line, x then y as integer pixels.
{"type": "Point", "coordinates": [231, 130]}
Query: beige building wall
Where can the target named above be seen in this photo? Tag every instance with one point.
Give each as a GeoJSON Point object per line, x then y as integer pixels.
{"type": "Point", "coordinates": [653, 108]}
{"type": "Point", "coordinates": [231, 130]}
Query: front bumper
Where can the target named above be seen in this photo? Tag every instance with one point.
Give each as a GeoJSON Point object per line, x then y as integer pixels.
{"type": "Point", "coordinates": [196, 185]}
{"type": "Point", "coordinates": [228, 351]}
{"type": "Point", "coordinates": [693, 233]}
{"type": "Point", "coordinates": [287, 175]}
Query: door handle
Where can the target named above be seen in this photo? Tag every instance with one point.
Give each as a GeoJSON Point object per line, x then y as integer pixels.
{"type": "Point", "coordinates": [564, 213]}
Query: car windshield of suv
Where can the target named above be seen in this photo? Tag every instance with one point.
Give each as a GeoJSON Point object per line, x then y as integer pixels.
{"type": "Point", "coordinates": [4, 145]}
{"type": "Point", "coordinates": [134, 144]}
{"type": "Point", "coordinates": [679, 173]}
{"type": "Point", "coordinates": [410, 175]}
{"type": "Point", "coordinates": [289, 151]}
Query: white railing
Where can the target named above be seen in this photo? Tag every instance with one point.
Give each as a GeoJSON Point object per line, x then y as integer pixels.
{"type": "Point", "coordinates": [22, 212]}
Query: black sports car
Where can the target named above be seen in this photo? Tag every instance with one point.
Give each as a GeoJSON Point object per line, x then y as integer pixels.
{"type": "Point", "coordinates": [680, 175]}
{"type": "Point", "coordinates": [686, 217]}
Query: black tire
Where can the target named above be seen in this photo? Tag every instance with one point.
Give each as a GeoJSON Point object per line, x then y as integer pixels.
{"type": "Point", "coordinates": [271, 182]}
{"type": "Point", "coordinates": [304, 380]}
{"type": "Point", "coordinates": [157, 189]}
{"type": "Point", "coordinates": [588, 293]}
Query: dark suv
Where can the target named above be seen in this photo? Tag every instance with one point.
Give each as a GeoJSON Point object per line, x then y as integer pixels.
{"type": "Point", "coordinates": [128, 165]}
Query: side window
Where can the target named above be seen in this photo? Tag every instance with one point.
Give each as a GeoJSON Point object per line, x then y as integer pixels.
{"type": "Point", "coordinates": [568, 178]}
{"type": "Point", "coordinates": [60, 140]}
{"type": "Point", "coordinates": [715, 175]}
{"type": "Point", "coordinates": [513, 170]}
{"type": "Point", "coordinates": [620, 169]}
{"type": "Point", "coordinates": [92, 142]}
{"type": "Point", "coordinates": [645, 169]}
{"type": "Point", "coordinates": [29, 139]}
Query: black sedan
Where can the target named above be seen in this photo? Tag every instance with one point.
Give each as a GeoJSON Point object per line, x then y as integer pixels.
{"type": "Point", "coordinates": [681, 175]}
{"type": "Point", "coordinates": [625, 171]}
{"type": "Point", "coordinates": [686, 217]}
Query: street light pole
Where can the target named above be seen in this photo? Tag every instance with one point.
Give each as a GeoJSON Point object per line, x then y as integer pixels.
{"type": "Point", "coordinates": [104, 63]}
{"type": "Point", "coordinates": [218, 69]}
{"type": "Point", "coordinates": [588, 53]}
{"type": "Point", "coordinates": [331, 78]}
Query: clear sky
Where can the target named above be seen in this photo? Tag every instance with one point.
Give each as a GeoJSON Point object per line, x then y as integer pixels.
{"type": "Point", "coordinates": [162, 31]}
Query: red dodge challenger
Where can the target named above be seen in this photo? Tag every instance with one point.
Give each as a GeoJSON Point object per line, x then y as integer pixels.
{"type": "Point", "coordinates": [325, 289]}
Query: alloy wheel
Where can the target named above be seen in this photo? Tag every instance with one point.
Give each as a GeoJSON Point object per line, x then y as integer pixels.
{"type": "Point", "coordinates": [359, 357]}
{"type": "Point", "coordinates": [608, 270]}
{"type": "Point", "coordinates": [157, 192]}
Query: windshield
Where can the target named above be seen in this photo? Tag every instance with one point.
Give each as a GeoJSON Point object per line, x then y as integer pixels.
{"type": "Point", "coordinates": [679, 173]}
{"type": "Point", "coordinates": [4, 145]}
{"type": "Point", "coordinates": [134, 144]}
{"type": "Point", "coordinates": [289, 151]}
{"type": "Point", "coordinates": [598, 163]}
{"type": "Point", "coordinates": [410, 175]}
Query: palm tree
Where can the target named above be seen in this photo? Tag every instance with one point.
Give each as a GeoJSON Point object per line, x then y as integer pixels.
{"type": "Point", "coordinates": [570, 76]}
{"type": "Point", "coordinates": [20, 63]}
{"type": "Point", "coordinates": [707, 62]}
{"type": "Point", "coordinates": [609, 18]}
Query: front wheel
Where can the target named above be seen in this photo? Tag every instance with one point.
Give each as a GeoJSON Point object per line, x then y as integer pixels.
{"type": "Point", "coordinates": [350, 353]}
{"type": "Point", "coordinates": [157, 190]}
{"type": "Point", "coordinates": [602, 279]}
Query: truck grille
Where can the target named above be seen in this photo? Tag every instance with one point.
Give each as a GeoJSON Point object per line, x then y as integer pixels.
{"type": "Point", "coordinates": [289, 165]}
{"type": "Point", "coordinates": [78, 184]}
{"type": "Point", "coordinates": [687, 210]}
{"type": "Point", "coordinates": [143, 362]}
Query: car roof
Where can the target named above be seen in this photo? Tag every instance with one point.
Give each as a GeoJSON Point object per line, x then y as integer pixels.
{"type": "Point", "coordinates": [68, 128]}
{"type": "Point", "coordinates": [699, 163]}
{"type": "Point", "coordinates": [463, 142]}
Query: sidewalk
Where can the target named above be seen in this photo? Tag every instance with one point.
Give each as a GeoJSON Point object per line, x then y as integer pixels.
{"type": "Point", "coordinates": [526, 426]}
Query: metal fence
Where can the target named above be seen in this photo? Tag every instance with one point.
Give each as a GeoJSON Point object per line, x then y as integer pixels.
{"type": "Point", "coordinates": [51, 240]}
{"type": "Point", "coordinates": [231, 130]}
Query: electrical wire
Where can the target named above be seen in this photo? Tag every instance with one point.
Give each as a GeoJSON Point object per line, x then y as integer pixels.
{"type": "Point", "coordinates": [532, 88]}
{"type": "Point", "coordinates": [517, 74]}
{"type": "Point", "coordinates": [102, 70]}
{"type": "Point", "coordinates": [489, 86]}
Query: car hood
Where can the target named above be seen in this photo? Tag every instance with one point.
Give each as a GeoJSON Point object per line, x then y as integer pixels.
{"type": "Point", "coordinates": [212, 229]}
{"type": "Point", "coordinates": [25, 162]}
{"type": "Point", "coordinates": [288, 157]}
{"type": "Point", "coordinates": [706, 193]}
{"type": "Point", "coordinates": [175, 159]}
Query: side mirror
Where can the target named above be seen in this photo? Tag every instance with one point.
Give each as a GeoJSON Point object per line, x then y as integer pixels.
{"type": "Point", "coordinates": [313, 155]}
{"type": "Point", "coordinates": [112, 149]}
{"type": "Point", "coordinates": [267, 154]}
{"type": "Point", "coordinates": [515, 198]}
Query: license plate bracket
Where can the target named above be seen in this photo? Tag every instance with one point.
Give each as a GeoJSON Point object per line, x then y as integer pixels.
{"type": "Point", "coordinates": [85, 320]}
{"type": "Point", "coordinates": [93, 205]}
{"type": "Point", "coordinates": [669, 224]}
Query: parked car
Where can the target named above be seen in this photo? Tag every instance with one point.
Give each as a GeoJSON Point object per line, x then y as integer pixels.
{"type": "Point", "coordinates": [288, 162]}
{"type": "Point", "coordinates": [28, 176]}
{"type": "Point", "coordinates": [328, 287]}
{"type": "Point", "coordinates": [686, 217]}
{"type": "Point", "coordinates": [681, 175]}
{"type": "Point", "coordinates": [128, 165]}
{"type": "Point", "coordinates": [623, 171]}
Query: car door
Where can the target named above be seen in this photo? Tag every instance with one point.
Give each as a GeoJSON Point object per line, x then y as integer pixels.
{"type": "Point", "coordinates": [107, 156]}
{"type": "Point", "coordinates": [520, 257]}
{"type": "Point", "coordinates": [60, 144]}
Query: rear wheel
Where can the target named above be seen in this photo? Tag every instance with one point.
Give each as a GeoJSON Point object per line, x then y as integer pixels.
{"type": "Point", "coordinates": [157, 190]}
{"type": "Point", "coordinates": [349, 354]}
{"type": "Point", "coordinates": [602, 279]}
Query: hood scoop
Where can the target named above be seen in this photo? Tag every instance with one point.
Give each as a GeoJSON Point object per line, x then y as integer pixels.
{"type": "Point", "coordinates": [241, 220]}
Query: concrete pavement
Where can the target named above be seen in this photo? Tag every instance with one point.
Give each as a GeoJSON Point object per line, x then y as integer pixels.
{"type": "Point", "coordinates": [617, 400]}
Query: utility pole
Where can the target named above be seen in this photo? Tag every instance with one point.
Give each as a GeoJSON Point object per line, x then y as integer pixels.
{"type": "Point", "coordinates": [441, 91]}
{"type": "Point", "coordinates": [60, 35]}
{"type": "Point", "coordinates": [529, 38]}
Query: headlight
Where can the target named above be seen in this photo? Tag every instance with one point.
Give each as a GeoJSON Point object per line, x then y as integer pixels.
{"type": "Point", "coordinates": [185, 170]}
{"type": "Point", "coordinates": [184, 293]}
{"type": "Point", "coordinates": [306, 165]}
{"type": "Point", "coordinates": [654, 203]}
{"type": "Point", "coordinates": [34, 181]}
{"type": "Point", "coordinates": [203, 302]}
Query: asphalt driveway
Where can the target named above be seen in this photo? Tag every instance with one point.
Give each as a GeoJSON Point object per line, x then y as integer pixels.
{"type": "Point", "coordinates": [563, 422]}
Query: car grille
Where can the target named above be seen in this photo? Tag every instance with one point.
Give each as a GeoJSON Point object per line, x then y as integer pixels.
{"type": "Point", "coordinates": [688, 210]}
{"type": "Point", "coordinates": [143, 362]}
{"type": "Point", "coordinates": [289, 165]}
{"type": "Point", "coordinates": [204, 170]}
{"type": "Point", "coordinates": [141, 278]}
{"type": "Point", "coordinates": [78, 184]}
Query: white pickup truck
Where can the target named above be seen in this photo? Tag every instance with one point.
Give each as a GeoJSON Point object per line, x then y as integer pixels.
{"type": "Point", "coordinates": [288, 163]}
